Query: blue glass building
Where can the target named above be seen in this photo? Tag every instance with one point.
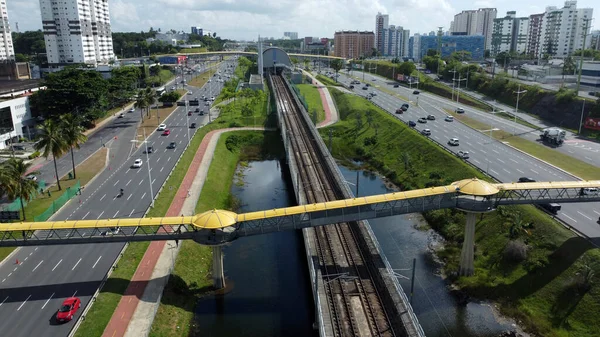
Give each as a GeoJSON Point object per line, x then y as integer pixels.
{"type": "Point", "coordinates": [475, 44]}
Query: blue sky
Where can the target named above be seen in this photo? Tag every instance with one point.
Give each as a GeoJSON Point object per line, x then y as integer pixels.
{"type": "Point", "coordinates": [245, 19]}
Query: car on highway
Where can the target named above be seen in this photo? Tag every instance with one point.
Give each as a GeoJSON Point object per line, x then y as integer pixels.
{"type": "Point", "coordinates": [426, 132]}
{"type": "Point", "coordinates": [162, 127]}
{"type": "Point", "coordinates": [190, 113]}
{"type": "Point", "coordinates": [526, 180]}
{"type": "Point", "coordinates": [422, 120]}
{"type": "Point", "coordinates": [189, 93]}
{"type": "Point", "coordinates": [149, 149]}
{"type": "Point", "coordinates": [367, 84]}
{"type": "Point", "coordinates": [137, 163]}
{"type": "Point", "coordinates": [31, 177]}
{"type": "Point", "coordinates": [351, 87]}
{"type": "Point", "coordinates": [193, 126]}
{"type": "Point", "coordinates": [207, 104]}
{"type": "Point", "coordinates": [373, 94]}
{"type": "Point", "coordinates": [459, 110]}
{"type": "Point", "coordinates": [453, 142]}
{"type": "Point", "coordinates": [404, 107]}
{"type": "Point", "coordinates": [589, 191]}
{"type": "Point", "coordinates": [172, 145]}
{"type": "Point", "coordinates": [412, 124]}
{"type": "Point", "coordinates": [197, 110]}
{"type": "Point", "coordinates": [399, 111]}
{"type": "Point", "coordinates": [396, 85]}
{"type": "Point", "coordinates": [365, 88]}
{"type": "Point", "coordinates": [166, 132]}
{"type": "Point", "coordinates": [463, 154]}
{"type": "Point", "coordinates": [212, 98]}
{"type": "Point", "coordinates": [131, 110]}
{"type": "Point", "coordinates": [431, 117]}
{"type": "Point", "coordinates": [68, 309]}
{"type": "Point", "coordinates": [416, 92]}
{"type": "Point", "coordinates": [121, 115]}
{"type": "Point", "coordinates": [449, 119]}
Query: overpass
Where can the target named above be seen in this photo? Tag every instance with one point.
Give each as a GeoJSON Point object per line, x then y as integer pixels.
{"type": "Point", "coordinates": [230, 53]}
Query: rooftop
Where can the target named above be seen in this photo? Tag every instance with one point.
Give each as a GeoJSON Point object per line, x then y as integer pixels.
{"type": "Point", "coordinates": [15, 86]}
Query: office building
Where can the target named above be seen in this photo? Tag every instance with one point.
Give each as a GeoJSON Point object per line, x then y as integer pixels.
{"type": "Point", "coordinates": [475, 22]}
{"type": "Point", "coordinates": [474, 44]}
{"type": "Point", "coordinates": [353, 44]}
{"type": "Point", "coordinates": [381, 23]}
{"type": "Point", "coordinates": [395, 42]}
{"type": "Point", "coordinates": [563, 29]}
{"type": "Point", "coordinates": [414, 48]}
{"type": "Point", "coordinates": [534, 33]}
{"type": "Point", "coordinates": [79, 32]}
{"type": "Point", "coordinates": [7, 52]}
{"type": "Point", "coordinates": [15, 121]}
{"type": "Point", "coordinates": [197, 31]}
{"type": "Point", "coordinates": [510, 34]}
{"type": "Point", "coordinates": [291, 35]}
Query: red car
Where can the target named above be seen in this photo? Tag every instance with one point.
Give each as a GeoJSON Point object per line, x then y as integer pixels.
{"type": "Point", "coordinates": [68, 309]}
{"type": "Point", "coordinates": [189, 113]}
{"type": "Point", "coordinates": [166, 132]}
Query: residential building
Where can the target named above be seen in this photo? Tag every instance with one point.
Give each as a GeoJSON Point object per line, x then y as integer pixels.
{"type": "Point", "coordinates": [197, 31]}
{"type": "Point", "coordinates": [7, 52]}
{"type": "Point", "coordinates": [519, 41]}
{"type": "Point", "coordinates": [291, 35]}
{"type": "Point", "coordinates": [353, 44]}
{"type": "Point", "coordinates": [475, 22]}
{"type": "Point", "coordinates": [563, 30]}
{"type": "Point", "coordinates": [474, 44]}
{"type": "Point", "coordinates": [395, 42]}
{"type": "Point", "coordinates": [590, 74]}
{"type": "Point", "coordinates": [414, 48]}
{"type": "Point", "coordinates": [510, 34]}
{"type": "Point", "coordinates": [79, 32]}
{"type": "Point", "coordinates": [381, 23]}
{"type": "Point", "coordinates": [15, 121]}
{"type": "Point", "coordinates": [534, 32]}
{"type": "Point", "coordinates": [595, 40]}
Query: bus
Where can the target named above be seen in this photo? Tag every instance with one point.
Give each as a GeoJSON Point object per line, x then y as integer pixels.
{"type": "Point", "coordinates": [160, 91]}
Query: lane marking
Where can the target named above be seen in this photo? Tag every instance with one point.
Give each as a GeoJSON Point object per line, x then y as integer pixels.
{"type": "Point", "coordinates": [36, 267]}
{"type": "Point", "coordinates": [22, 304]}
{"type": "Point", "coordinates": [514, 161]}
{"type": "Point", "coordinates": [128, 183]}
{"type": "Point", "coordinates": [4, 299]}
{"type": "Point", "coordinates": [143, 195]}
{"type": "Point", "coordinates": [153, 180]}
{"type": "Point", "coordinates": [57, 264]}
{"type": "Point", "coordinates": [48, 300]}
{"type": "Point", "coordinates": [117, 212]}
{"type": "Point", "coordinates": [493, 171]}
{"type": "Point", "coordinates": [565, 214]}
{"type": "Point", "coordinates": [100, 215]}
{"type": "Point", "coordinates": [102, 197]}
{"type": "Point", "coordinates": [500, 160]}
{"type": "Point", "coordinates": [534, 171]}
{"type": "Point", "coordinates": [129, 196]}
{"type": "Point", "coordinates": [495, 151]}
{"type": "Point", "coordinates": [75, 266]}
{"type": "Point", "coordinates": [141, 181]}
{"type": "Point", "coordinates": [505, 170]}
{"type": "Point", "coordinates": [585, 216]}
{"type": "Point", "coordinates": [520, 171]}
{"type": "Point", "coordinates": [116, 183]}
{"type": "Point", "coordinates": [86, 214]}
{"type": "Point", "coordinates": [596, 212]}
{"type": "Point", "coordinates": [131, 212]}
{"type": "Point", "coordinates": [161, 169]}
{"type": "Point", "coordinates": [74, 293]}
{"type": "Point", "coordinates": [96, 262]}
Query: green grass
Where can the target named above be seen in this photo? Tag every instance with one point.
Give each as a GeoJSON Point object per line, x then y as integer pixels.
{"type": "Point", "coordinates": [193, 50]}
{"type": "Point", "coordinates": [201, 79]}
{"type": "Point", "coordinates": [575, 166]}
{"type": "Point", "coordinates": [165, 75]}
{"type": "Point", "coordinates": [519, 120]}
{"type": "Point", "coordinates": [328, 81]}
{"type": "Point", "coordinates": [539, 291]}
{"type": "Point", "coordinates": [313, 99]}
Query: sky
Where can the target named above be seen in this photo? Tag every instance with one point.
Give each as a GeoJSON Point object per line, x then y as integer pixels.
{"type": "Point", "coordinates": [246, 19]}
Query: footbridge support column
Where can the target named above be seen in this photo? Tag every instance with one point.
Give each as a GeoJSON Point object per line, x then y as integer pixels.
{"type": "Point", "coordinates": [218, 272]}
{"type": "Point", "coordinates": [467, 267]}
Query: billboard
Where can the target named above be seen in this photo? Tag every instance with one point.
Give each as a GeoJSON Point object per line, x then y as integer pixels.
{"type": "Point", "coordinates": [592, 123]}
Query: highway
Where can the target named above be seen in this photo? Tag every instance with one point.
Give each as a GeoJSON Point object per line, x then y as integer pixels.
{"type": "Point", "coordinates": [31, 292]}
{"type": "Point", "coordinates": [500, 161]}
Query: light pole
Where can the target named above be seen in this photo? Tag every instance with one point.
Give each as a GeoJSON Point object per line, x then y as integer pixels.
{"type": "Point", "coordinates": [585, 28]}
{"type": "Point", "coordinates": [187, 119]}
{"type": "Point", "coordinates": [453, 79]}
{"type": "Point", "coordinates": [519, 92]}
{"type": "Point", "coordinates": [581, 120]}
{"type": "Point", "coordinates": [148, 165]}
{"type": "Point", "coordinates": [458, 88]}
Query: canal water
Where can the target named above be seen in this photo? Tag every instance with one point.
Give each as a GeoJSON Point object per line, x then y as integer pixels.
{"type": "Point", "coordinates": [402, 241]}
{"type": "Point", "coordinates": [268, 291]}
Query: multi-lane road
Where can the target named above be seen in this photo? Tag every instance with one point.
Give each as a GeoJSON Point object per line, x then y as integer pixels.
{"type": "Point", "coordinates": [32, 291]}
{"type": "Point", "coordinates": [499, 160]}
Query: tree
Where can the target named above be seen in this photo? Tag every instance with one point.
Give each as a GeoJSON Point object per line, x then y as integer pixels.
{"type": "Point", "coordinates": [407, 68]}
{"type": "Point", "coordinates": [141, 102]}
{"type": "Point", "coordinates": [151, 97]}
{"type": "Point", "coordinates": [306, 63]}
{"type": "Point", "coordinates": [73, 135]}
{"type": "Point", "coordinates": [51, 142]}
{"type": "Point", "coordinates": [169, 97]}
{"type": "Point", "coordinates": [518, 226]}
{"type": "Point", "coordinates": [568, 66]}
{"type": "Point", "coordinates": [337, 65]}
{"type": "Point", "coordinates": [503, 58]}
{"type": "Point", "coordinates": [405, 159]}
{"type": "Point", "coordinates": [432, 52]}
{"type": "Point", "coordinates": [20, 186]}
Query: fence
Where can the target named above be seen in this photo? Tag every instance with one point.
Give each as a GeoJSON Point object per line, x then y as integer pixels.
{"type": "Point", "coordinates": [16, 204]}
{"type": "Point", "coordinates": [69, 193]}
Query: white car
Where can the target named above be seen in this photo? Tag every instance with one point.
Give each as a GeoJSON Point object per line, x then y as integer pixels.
{"type": "Point", "coordinates": [131, 110]}
{"type": "Point", "coordinates": [137, 163]}
{"type": "Point", "coordinates": [453, 142]}
{"type": "Point", "coordinates": [162, 127]}
{"type": "Point", "coordinates": [32, 177]}
{"type": "Point", "coordinates": [449, 119]}
{"type": "Point", "coordinates": [212, 98]}
{"type": "Point", "coordinates": [463, 154]}
{"type": "Point", "coordinates": [426, 132]}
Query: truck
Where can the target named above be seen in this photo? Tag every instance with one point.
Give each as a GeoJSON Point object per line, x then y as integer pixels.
{"type": "Point", "coordinates": [554, 136]}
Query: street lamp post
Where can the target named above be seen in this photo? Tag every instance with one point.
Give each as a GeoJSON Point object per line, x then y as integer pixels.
{"type": "Point", "coordinates": [145, 141]}
{"type": "Point", "coordinates": [581, 119]}
{"type": "Point", "coordinates": [187, 119]}
{"type": "Point", "coordinates": [458, 88]}
{"type": "Point", "coordinates": [519, 92]}
{"type": "Point", "coordinates": [453, 79]}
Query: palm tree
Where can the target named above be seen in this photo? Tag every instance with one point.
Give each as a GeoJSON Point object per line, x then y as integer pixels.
{"type": "Point", "coordinates": [141, 103]}
{"type": "Point", "coordinates": [20, 186]}
{"type": "Point", "coordinates": [51, 143]}
{"type": "Point", "coordinates": [518, 226]}
{"type": "Point", "coordinates": [73, 135]}
{"type": "Point", "coordinates": [151, 97]}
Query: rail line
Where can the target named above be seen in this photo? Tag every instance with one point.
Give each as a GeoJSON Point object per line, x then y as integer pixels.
{"type": "Point", "coordinates": [355, 306]}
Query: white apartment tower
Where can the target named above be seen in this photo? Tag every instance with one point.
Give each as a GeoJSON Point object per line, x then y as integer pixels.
{"type": "Point", "coordinates": [510, 34]}
{"type": "Point", "coordinates": [381, 23]}
{"type": "Point", "coordinates": [7, 52]}
{"type": "Point", "coordinates": [77, 31]}
{"type": "Point", "coordinates": [395, 41]}
{"type": "Point", "coordinates": [563, 29]}
{"type": "Point", "coordinates": [475, 22]}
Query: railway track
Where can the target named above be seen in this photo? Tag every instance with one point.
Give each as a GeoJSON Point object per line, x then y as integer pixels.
{"type": "Point", "coordinates": [355, 306]}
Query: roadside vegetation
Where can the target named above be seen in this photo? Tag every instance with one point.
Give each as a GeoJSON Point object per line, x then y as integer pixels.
{"type": "Point", "coordinates": [534, 268]}
{"type": "Point", "coordinates": [328, 81]}
{"type": "Point", "coordinates": [312, 97]}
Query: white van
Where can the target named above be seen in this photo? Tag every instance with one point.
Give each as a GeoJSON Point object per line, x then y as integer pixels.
{"type": "Point", "coordinates": [590, 191]}
{"type": "Point", "coordinates": [449, 118]}
{"type": "Point", "coordinates": [453, 142]}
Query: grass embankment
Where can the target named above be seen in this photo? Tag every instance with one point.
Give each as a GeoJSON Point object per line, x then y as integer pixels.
{"type": "Point", "coordinates": [313, 99]}
{"type": "Point", "coordinates": [201, 79]}
{"type": "Point", "coordinates": [519, 120]}
{"type": "Point", "coordinates": [165, 75]}
{"type": "Point", "coordinates": [328, 81]}
{"type": "Point", "coordinates": [155, 117]}
{"type": "Point", "coordinates": [191, 278]}
{"type": "Point", "coordinates": [193, 50]}
{"type": "Point", "coordinates": [539, 285]}
{"type": "Point", "coordinates": [87, 170]}
{"type": "Point", "coordinates": [575, 166]}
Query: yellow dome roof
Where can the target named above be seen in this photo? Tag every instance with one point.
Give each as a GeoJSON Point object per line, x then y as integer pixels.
{"type": "Point", "coordinates": [215, 219]}
{"type": "Point", "coordinates": [475, 186]}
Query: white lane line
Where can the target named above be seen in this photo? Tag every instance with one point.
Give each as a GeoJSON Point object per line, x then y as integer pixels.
{"type": "Point", "coordinates": [585, 216]}
{"type": "Point", "coordinates": [26, 259]}
{"type": "Point", "coordinates": [131, 212]}
{"type": "Point", "coordinates": [57, 264]}
{"type": "Point", "coordinates": [8, 274]}
{"type": "Point", "coordinates": [494, 172]}
{"type": "Point", "coordinates": [128, 183]}
{"type": "Point", "coordinates": [48, 300]}
{"type": "Point", "coordinates": [534, 171]}
{"type": "Point", "coordinates": [495, 151]}
{"type": "Point", "coordinates": [143, 195]}
{"type": "Point", "coordinates": [4, 299]}
{"type": "Point", "coordinates": [168, 159]}
{"type": "Point", "coordinates": [100, 215]}
{"type": "Point", "coordinates": [129, 196]}
{"type": "Point", "coordinates": [129, 169]}
{"type": "Point", "coordinates": [3, 282]}
{"type": "Point", "coordinates": [153, 181]}
{"type": "Point", "coordinates": [500, 160]}
{"type": "Point", "coordinates": [596, 212]}
{"type": "Point", "coordinates": [75, 266]}
{"type": "Point", "coordinates": [116, 183]}
{"type": "Point", "coordinates": [520, 171]}
{"type": "Point", "coordinates": [96, 262]}
{"type": "Point", "coordinates": [161, 169]}
{"type": "Point", "coordinates": [114, 216]}
{"type": "Point", "coordinates": [469, 144]}
{"type": "Point", "coordinates": [141, 181]}
{"type": "Point", "coordinates": [514, 161]}
{"type": "Point", "coordinates": [86, 214]}
{"type": "Point", "coordinates": [75, 293]}
{"type": "Point", "coordinates": [477, 161]}
{"type": "Point", "coordinates": [505, 170]}
{"type": "Point", "coordinates": [102, 197]}
{"type": "Point", "coordinates": [565, 214]}
{"type": "Point", "coordinates": [37, 266]}
{"type": "Point", "coordinates": [22, 304]}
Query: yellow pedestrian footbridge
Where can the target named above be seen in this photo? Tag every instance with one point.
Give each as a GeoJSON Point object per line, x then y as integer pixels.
{"type": "Point", "coordinates": [216, 227]}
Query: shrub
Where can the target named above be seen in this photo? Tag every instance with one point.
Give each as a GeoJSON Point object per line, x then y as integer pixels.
{"type": "Point", "coordinates": [565, 95]}
{"type": "Point", "coordinates": [515, 251]}
{"type": "Point", "coordinates": [34, 155]}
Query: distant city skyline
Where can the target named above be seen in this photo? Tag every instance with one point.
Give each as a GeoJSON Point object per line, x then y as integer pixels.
{"type": "Point", "coordinates": [239, 19]}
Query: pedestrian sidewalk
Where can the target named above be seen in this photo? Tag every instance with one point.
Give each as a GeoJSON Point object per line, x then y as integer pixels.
{"type": "Point", "coordinates": [331, 113]}
{"type": "Point", "coordinates": [138, 306]}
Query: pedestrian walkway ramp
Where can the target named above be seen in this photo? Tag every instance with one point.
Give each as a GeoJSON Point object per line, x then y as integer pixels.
{"type": "Point", "coordinates": [216, 227]}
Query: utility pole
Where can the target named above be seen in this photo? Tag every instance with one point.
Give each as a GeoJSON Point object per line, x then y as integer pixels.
{"type": "Point", "coordinates": [585, 32]}
{"type": "Point", "coordinates": [519, 92]}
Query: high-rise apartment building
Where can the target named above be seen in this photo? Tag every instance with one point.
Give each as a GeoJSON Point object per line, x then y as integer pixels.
{"type": "Point", "coordinates": [534, 32]}
{"type": "Point", "coordinates": [395, 41]}
{"type": "Point", "coordinates": [353, 44]}
{"type": "Point", "coordinates": [381, 23]}
{"type": "Point", "coordinates": [563, 30]}
{"type": "Point", "coordinates": [475, 22]}
{"type": "Point", "coordinates": [77, 31]}
{"type": "Point", "coordinates": [595, 40]}
{"type": "Point", "coordinates": [510, 34]}
{"type": "Point", "coordinates": [197, 31]}
{"type": "Point", "coordinates": [7, 52]}
{"type": "Point", "coordinates": [291, 35]}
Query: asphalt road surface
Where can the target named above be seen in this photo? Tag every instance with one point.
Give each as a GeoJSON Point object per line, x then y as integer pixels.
{"type": "Point", "coordinates": [31, 292]}
{"type": "Point", "coordinates": [499, 160]}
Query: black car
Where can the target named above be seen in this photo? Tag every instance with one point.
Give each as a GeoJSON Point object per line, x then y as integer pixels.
{"type": "Point", "coordinates": [149, 149]}
{"type": "Point", "coordinates": [193, 126]}
{"type": "Point", "coordinates": [404, 107]}
{"type": "Point", "coordinates": [412, 124]}
{"type": "Point", "coordinates": [172, 145]}
{"type": "Point", "coordinates": [351, 87]}
{"type": "Point", "coordinates": [197, 110]}
{"type": "Point", "coordinates": [526, 180]}
{"type": "Point", "coordinates": [396, 85]}
{"type": "Point", "coordinates": [365, 88]}
{"type": "Point", "coordinates": [416, 92]}
{"type": "Point", "coordinates": [431, 117]}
